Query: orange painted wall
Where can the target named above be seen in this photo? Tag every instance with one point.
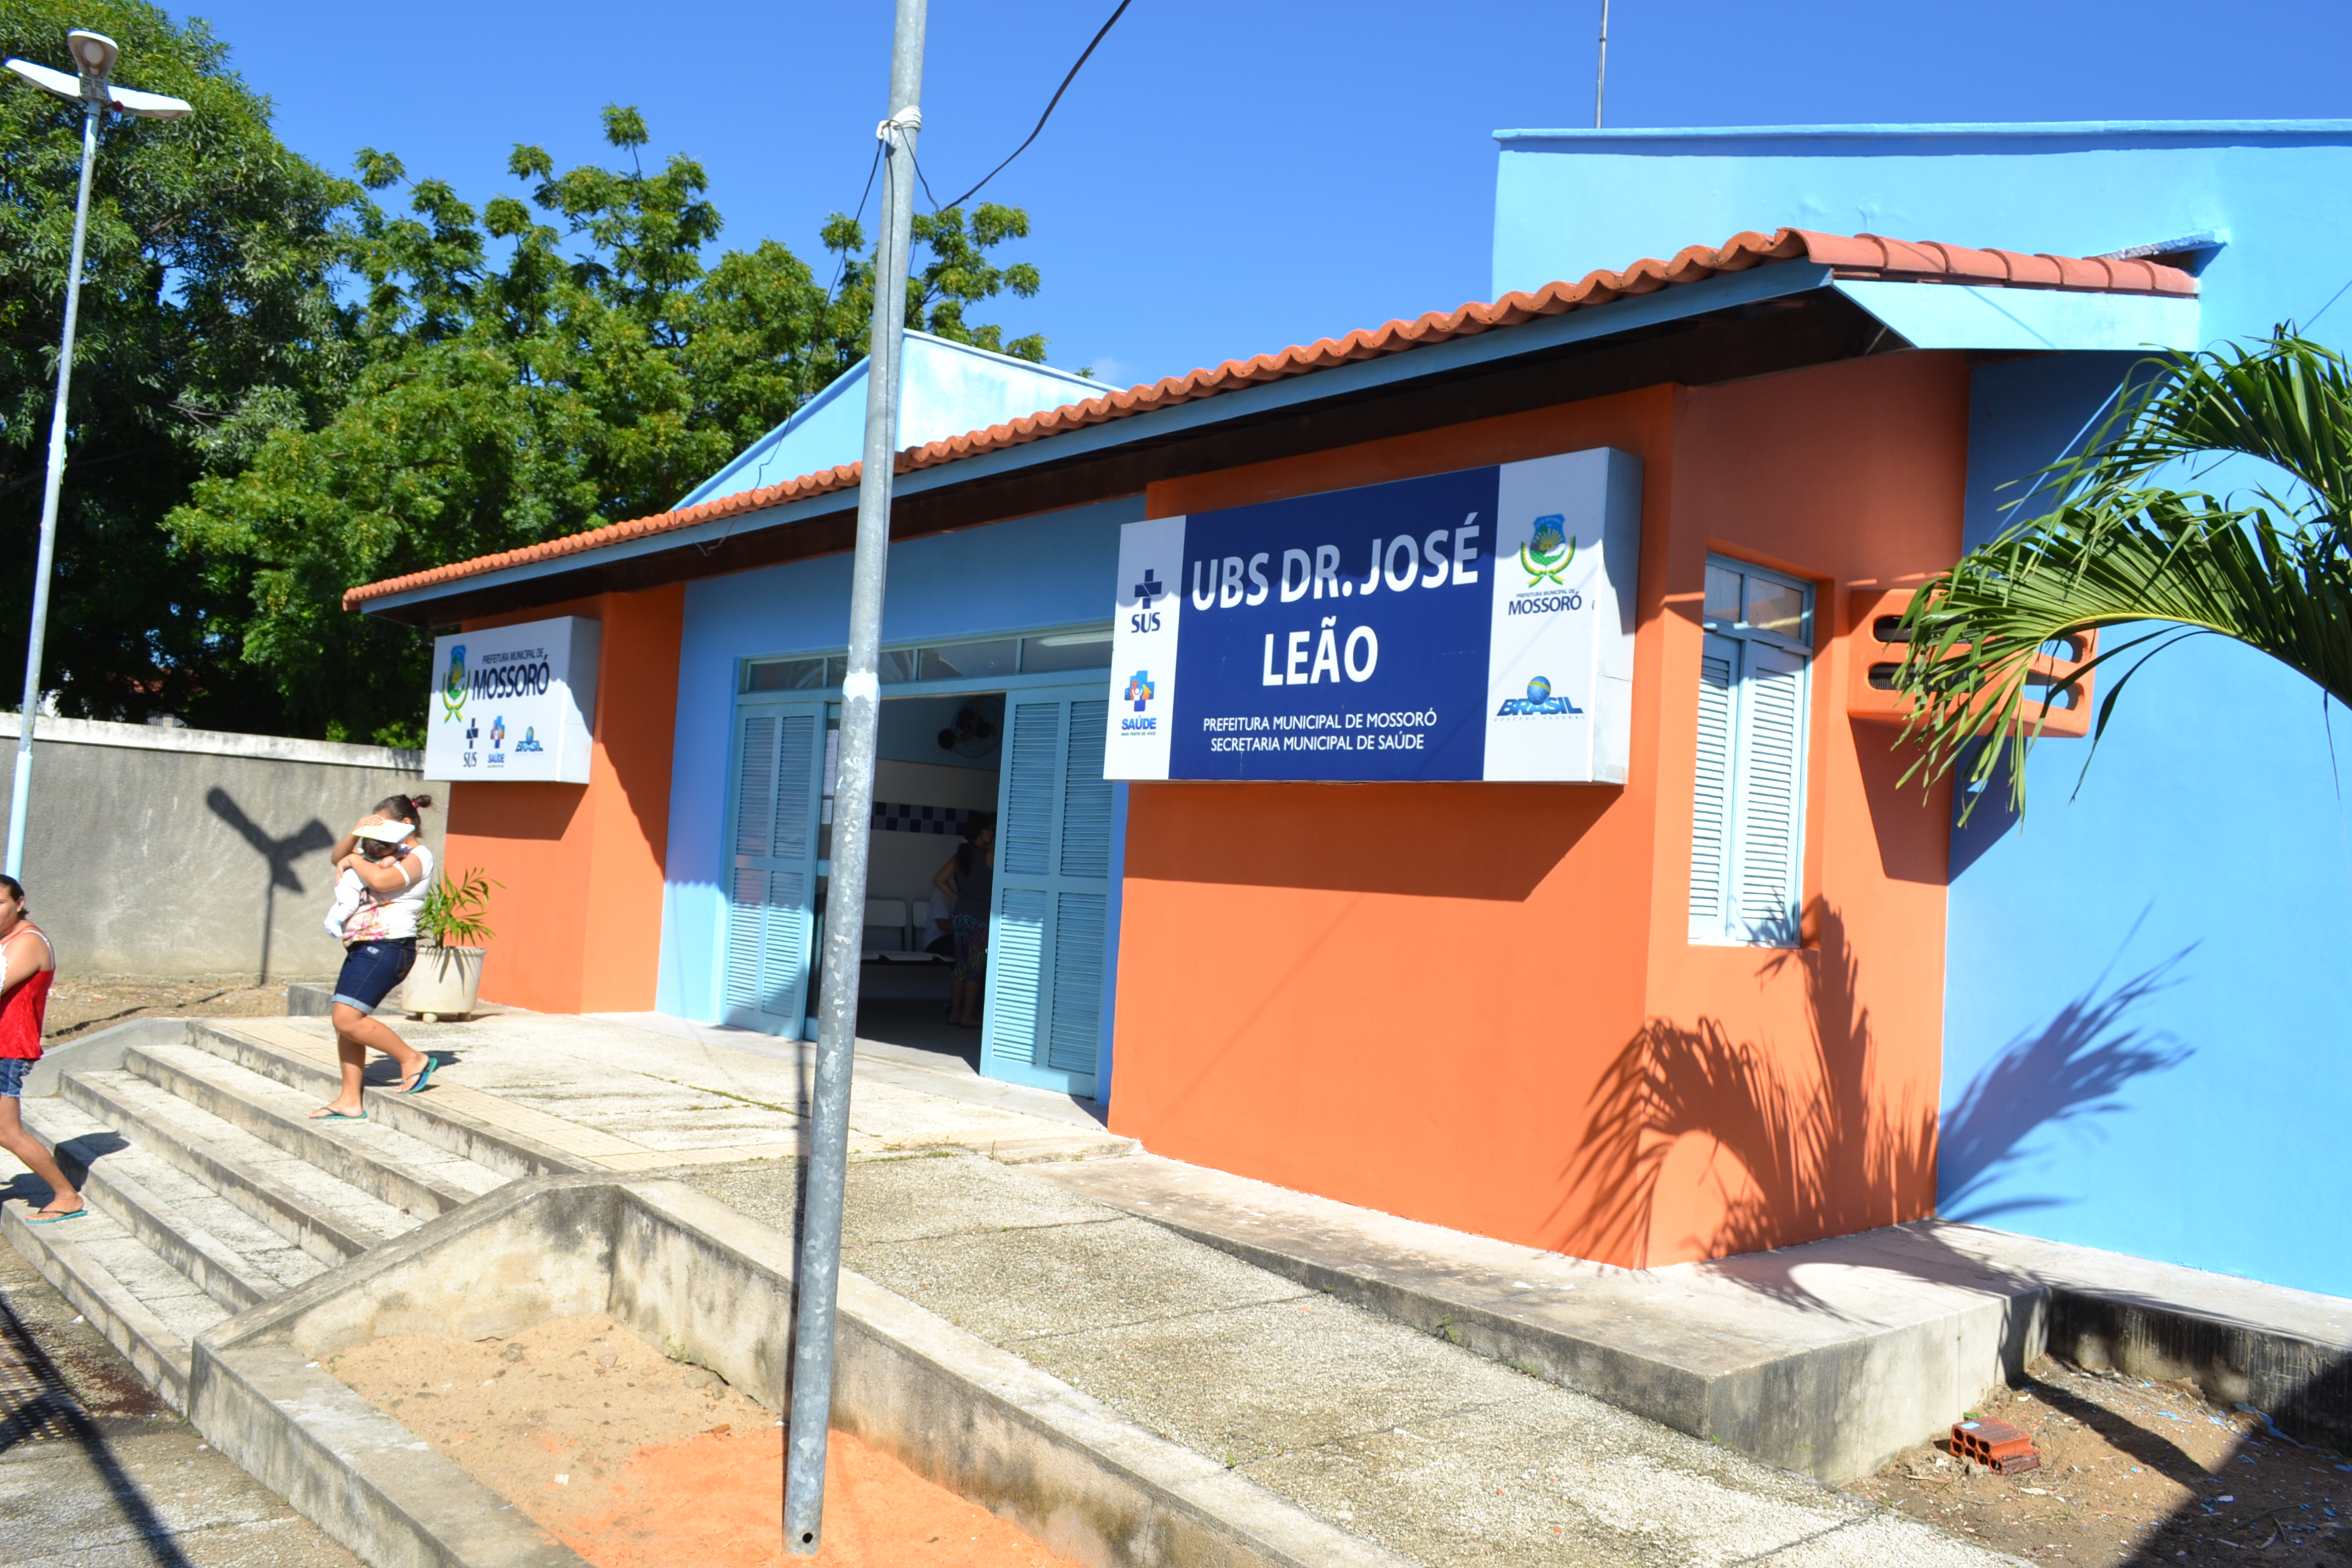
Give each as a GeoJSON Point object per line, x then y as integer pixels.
{"type": "Point", "coordinates": [579, 920]}
{"type": "Point", "coordinates": [1476, 1005]}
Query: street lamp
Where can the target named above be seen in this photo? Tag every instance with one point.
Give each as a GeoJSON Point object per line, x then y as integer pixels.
{"type": "Point", "coordinates": [95, 54]}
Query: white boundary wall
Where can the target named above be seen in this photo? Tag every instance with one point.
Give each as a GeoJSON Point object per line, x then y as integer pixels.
{"type": "Point", "coordinates": [194, 853]}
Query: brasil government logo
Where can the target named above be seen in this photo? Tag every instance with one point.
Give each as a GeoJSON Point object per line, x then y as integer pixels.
{"type": "Point", "coordinates": [453, 688]}
{"type": "Point", "coordinates": [529, 741]}
{"type": "Point", "coordinates": [1546, 557]}
{"type": "Point", "coordinates": [1538, 701]}
{"type": "Point", "coordinates": [1140, 691]}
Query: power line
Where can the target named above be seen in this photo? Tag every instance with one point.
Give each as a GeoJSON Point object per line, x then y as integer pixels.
{"type": "Point", "coordinates": [1058, 91]}
{"type": "Point", "coordinates": [854, 222]}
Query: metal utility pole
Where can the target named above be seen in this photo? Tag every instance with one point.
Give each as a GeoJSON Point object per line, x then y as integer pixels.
{"type": "Point", "coordinates": [852, 813]}
{"type": "Point", "coordinates": [95, 53]}
{"type": "Point", "coordinates": [1601, 77]}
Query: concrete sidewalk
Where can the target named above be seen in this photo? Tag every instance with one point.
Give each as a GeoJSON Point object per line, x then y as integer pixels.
{"type": "Point", "coordinates": [97, 1472]}
{"type": "Point", "coordinates": [1421, 1444]}
{"type": "Point", "coordinates": [660, 1091]}
{"type": "Point", "coordinates": [1451, 1398]}
{"type": "Point", "coordinates": [1828, 1357]}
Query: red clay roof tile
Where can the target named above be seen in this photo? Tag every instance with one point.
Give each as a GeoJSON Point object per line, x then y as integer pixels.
{"type": "Point", "coordinates": [1855, 255]}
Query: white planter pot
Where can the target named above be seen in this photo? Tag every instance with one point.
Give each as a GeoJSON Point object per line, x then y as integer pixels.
{"type": "Point", "coordinates": [444, 984]}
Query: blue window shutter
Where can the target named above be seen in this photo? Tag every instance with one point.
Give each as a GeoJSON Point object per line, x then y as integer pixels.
{"type": "Point", "coordinates": [1768, 796]}
{"type": "Point", "coordinates": [764, 974]}
{"type": "Point", "coordinates": [795, 763]}
{"type": "Point", "coordinates": [1086, 794]}
{"type": "Point", "coordinates": [1049, 940]}
{"type": "Point", "coordinates": [746, 910]}
{"type": "Point", "coordinates": [1080, 924]}
{"type": "Point", "coordinates": [1718, 672]}
{"type": "Point", "coordinates": [755, 783]}
{"type": "Point", "coordinates": [1024, 837]}
{"type": "Point", "coordinates": [1016, 965]}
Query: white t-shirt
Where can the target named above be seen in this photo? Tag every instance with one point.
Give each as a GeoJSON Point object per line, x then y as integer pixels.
{"type": "Point", "coordinates": [388, 917]}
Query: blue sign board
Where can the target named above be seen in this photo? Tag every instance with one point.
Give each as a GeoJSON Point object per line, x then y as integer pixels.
{"type": "Point", "coordinates": [1474, 625]}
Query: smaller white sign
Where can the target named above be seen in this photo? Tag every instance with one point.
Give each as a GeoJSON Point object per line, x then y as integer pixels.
{"type": "Point", "coordinates": [513, 702]}
{"type": "Point", "coordinates": [1143, 649]}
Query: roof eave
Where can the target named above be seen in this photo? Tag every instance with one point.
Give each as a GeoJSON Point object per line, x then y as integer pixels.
{"type": "Point", "coordinates": [1641, 312]}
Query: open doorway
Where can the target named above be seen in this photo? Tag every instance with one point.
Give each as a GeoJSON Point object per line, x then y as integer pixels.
{"type": "Point", "coordinates": [937, 762]}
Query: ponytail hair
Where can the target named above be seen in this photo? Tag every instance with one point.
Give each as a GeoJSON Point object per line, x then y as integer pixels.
{"type": "Point", "coordinates": [408, 808]}
{"type": "Point", "coordinates": [967, 852]}
{"type": "Point", "coordinates": [16, 888]}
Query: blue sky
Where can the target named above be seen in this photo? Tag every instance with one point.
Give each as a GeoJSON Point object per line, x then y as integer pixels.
{"type": "Point", "coordinates": [1225, 178]}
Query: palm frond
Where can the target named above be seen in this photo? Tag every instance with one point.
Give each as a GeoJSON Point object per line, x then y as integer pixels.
{"type": "Point", "coordinates": [2286, 401]}
{"type": "Point", "coordinates": [2187, 561]}
{"type": "Point", "coordinates": [2118, 550]}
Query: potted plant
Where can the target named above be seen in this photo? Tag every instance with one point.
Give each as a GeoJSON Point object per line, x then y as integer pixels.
{"type": "Point", "coordinates": [447, 980]}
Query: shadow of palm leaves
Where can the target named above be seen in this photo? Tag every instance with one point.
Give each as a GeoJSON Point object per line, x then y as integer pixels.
{"type": "Point", "coordinates": [1819, 1149]}
{"type": "Point", "coordinates": [2070, 1069]}
{"type": "Point", "coordinates": [1821, 1152]}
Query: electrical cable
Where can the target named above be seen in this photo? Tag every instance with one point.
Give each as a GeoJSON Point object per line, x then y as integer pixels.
{"type": "Point", "coordinates": [923, 178]}
{"type": "Point", "coordinates": [862, 197]}
{"type": "Point", "coordinates": [1058, 91]}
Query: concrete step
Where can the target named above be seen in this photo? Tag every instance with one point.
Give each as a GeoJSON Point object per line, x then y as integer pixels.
{"type": "Point", "coordinates": [301, 1060]}
{"type": "Point", "coordinates": [327, 1217]}
{"type": "Point", "coordinates": [406, 1171]}
{"type": "Point", "coordinates": [145, 1309]}
{"type": "Point", "coordinates": [231, 1257]}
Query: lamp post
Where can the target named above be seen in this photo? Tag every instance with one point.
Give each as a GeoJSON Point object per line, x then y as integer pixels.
{"type": "Point", "coordinates": [95, 54]}
{"type": "Point", "coordinates": [819, 1278]}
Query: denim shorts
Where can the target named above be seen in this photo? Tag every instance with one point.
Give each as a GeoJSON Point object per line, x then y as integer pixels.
{"type": "Point", "coordinates": [371, 969]}
{"type": "Point", "coordinates": [12, 1075]}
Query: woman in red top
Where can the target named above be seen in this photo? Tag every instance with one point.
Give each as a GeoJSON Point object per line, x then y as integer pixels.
{"type": "Point", "coordinates": [24, 999]}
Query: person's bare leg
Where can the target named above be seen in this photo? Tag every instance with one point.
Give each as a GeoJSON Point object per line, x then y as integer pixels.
{"type": "Point", "coordinates": [356, 1034]}
{"type": "Point", "coordinates": [64, 1198]}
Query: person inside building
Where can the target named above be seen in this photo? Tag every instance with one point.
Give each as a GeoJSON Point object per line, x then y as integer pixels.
{"type": "Point", "coordinates": [30, 966]}
{"type": "Point", "coordinates": [970, 879]}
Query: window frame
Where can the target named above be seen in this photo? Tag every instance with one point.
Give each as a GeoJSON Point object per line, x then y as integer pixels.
{"type": "Point", "coordinates": [1727, 927]}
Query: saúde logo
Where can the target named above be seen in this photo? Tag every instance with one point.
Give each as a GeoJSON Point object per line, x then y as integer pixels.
{"type": "Point", "coordinates": [1140, 692]}
{"type": "Point", "coordinates": [1537, 702]}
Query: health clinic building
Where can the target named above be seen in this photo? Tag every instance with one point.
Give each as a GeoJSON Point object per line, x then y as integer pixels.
{"type": "Point", "coordinates": [1494, 814]}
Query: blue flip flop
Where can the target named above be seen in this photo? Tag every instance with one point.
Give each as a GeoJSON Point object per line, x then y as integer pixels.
{"type": "Point", "coordinates": [423, 1076]}
{"type": "Point", "coordinates": [39, 1218]}
{"type": "Point", "coordinates": [339, 1116]}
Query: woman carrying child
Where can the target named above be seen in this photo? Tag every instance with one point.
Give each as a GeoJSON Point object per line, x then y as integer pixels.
{"type": "Point", "coordinates": [30, 966]}
{"type": "Point", "coordinates": [395, 871]}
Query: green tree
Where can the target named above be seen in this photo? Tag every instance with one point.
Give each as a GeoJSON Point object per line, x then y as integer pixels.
{"type": "Point", "coordinates": [559, 360]}
{"type": "Point", "coordinates": [2270, 567]}
{"type": "Point", "coordinates": [206, 321]}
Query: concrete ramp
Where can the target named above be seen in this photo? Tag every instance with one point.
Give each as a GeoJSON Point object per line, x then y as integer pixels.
{"type": "Point", "coordinates": [687, 1272]}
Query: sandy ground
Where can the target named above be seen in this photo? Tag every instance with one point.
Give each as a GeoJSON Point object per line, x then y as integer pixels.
{"type": "Point", "coordinates": [78, 1005]}
{"type": "Point", "coordinates": [2133, 1472]}
{"type": "Point", "coordinates": [634, 1460]}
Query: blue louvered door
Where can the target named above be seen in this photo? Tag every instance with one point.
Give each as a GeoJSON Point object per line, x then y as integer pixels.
{"type": "Point", "coordinates": [772, 865]}
{"type": "Point", "coordinates": [1049, 937]}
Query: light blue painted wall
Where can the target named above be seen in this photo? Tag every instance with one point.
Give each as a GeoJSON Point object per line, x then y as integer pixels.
{"type": "Point", "coordinates": [2146, 1037]}
{"type": "Point", "coordinates": [945, 389]}
{"type": "Point", "coordinates": [1056, 570]}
